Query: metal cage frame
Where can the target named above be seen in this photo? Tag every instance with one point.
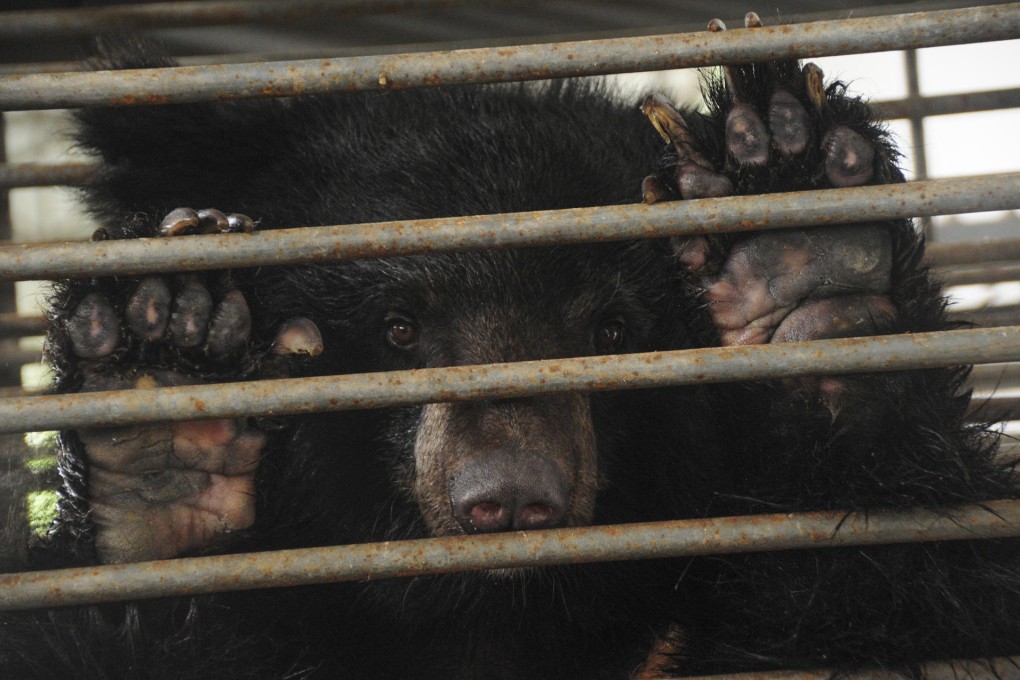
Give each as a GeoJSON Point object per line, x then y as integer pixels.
{"type": "Point", "coordinates": [19, 91]}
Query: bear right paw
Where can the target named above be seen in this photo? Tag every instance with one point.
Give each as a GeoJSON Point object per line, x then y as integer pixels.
{"type": "Point", "coordinates": [160, 490]}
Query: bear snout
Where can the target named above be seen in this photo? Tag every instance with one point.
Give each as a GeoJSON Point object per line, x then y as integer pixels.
{"type": "Point", "coordinates": [506, 490]}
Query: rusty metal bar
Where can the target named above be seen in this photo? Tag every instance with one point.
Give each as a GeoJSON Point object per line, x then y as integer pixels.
{"type": "Point", "coordinates": [526, 62]}
{"type": "Point", "coordinates": [19, 175]}
{"type": "Point", "coordinates": [395, 559]}
{"type": "Point", "coordinates": [944, 105]}
{"type": "Point", "coordinates": [664, 25]}
{"type": "Point", "coordinates": [504, 381]}
{"type": "Point", "coordinates": [51, 23]}
{"type": "Point", "coordinates": [322, 244]}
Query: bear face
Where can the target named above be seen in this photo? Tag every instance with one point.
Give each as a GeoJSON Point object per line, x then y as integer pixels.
{"type": "Point", "coordinates": [518, 464]}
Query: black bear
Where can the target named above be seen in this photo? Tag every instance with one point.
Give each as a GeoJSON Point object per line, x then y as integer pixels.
{"type": "Point", "coordinates": [850, 443]}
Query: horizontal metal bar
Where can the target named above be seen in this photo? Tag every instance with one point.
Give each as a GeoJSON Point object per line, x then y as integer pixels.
{"type": "Point", "coordinates": [19, 357]}
{"type": "Point", "coordinates": [394, 559]}
{"type": "Point", "coordinates": [962, 276]}
{"type": "Point", "coordinates": [76, 174]}
{"type": "Point", "coordinates": [51, 23]}
{"type": "Point", "coordinates": [943, 105]}
{"type": "Point", "coordinates": [17, 326]}
{"type": "Point", "coordinates": [1005, 315]}
{"type": "Point", "coordinates": [1002, 668]}
{"type": "Point", "coordinates": [976, 252]}
{"type": "Point", "coordinates": [525, 62]}
{"type": "Point", "coordinates": [19, 175]}
{"type": "Point", "coordinates": [666, 24]}
{"type": "Point", "coordinates": [323, 244]}
{"type": "Point", "coordinates": [992, 377]}
{"type": "Point", "coordinates": [994, 407]}
{"type": "Point", "coordinates": [504, 381]}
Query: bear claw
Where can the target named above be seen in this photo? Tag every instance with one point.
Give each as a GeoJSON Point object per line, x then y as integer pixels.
{"type": "Point", "coordinates": [695, 177]}
{"type": "Point", "coordinates": [206, 221]}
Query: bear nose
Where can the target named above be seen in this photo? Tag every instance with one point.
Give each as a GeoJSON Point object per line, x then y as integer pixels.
{"type": "Point", "coordinates": [500, 491]}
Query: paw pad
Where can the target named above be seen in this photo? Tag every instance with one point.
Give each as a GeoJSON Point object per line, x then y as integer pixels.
{"type": "Point", "coordinates": [773, 112]}
{"type": "Point", "coordinates": [191, 312]}
{"type": "Point", "coordinates": [776, 127]}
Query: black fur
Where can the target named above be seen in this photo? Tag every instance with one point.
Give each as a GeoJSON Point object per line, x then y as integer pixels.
{"type": "Point", "coordinates": [900, 440]}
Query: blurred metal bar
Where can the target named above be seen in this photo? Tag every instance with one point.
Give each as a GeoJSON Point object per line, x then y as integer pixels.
{"type": "Point", "coordinates": [962, 276]}
{"type": "Point", "coordinates": [667, 23]}
{"type": "Point", "coordinates": [53, 23]}
{"type": "Point", "coordinates": [994, 408]}
{"type": "Point", "coordinates": [324, 244]}
{"type": "Point", "coordinates": [18, 357]}
{"type": "Point", "coordinates": [6, 392]}
{"type": "Point", "coordinates": [992, 377]}
{"type": "Point", "coordinates": [394, 559]}
{"type": "Point", "coordinates": [78, 173]}
{"type": "Point", "coordinates": [16, 326]}
{"type": "Point", "coordinates": [916, 119]}
{"type": "Point", "coordinates": [943, 105]}
{"type": "Point", "coordinates": [978, 252]}
{"type": "Point", "coordinates": [1005, 315]}
{"type": "Point", "coordinates": [505, 381]}
{"type": "Point", "coordinates": [525, 62]}
{"type": "Point", "coordinates": [10, 374]}
{"type": "Point", "coordinates": [1003, 668]}
{"type": "Point", "coordinates": [19, 175]}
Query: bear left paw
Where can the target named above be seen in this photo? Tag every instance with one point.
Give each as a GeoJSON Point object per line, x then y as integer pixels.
{"type": "Point", "coordinates": [775, 127]}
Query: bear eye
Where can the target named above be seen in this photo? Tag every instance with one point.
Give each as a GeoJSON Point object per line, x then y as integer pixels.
{"type": "Point", "coordinates": [609, 336]}
{"type": "Point", "coordinates": [401, 332]}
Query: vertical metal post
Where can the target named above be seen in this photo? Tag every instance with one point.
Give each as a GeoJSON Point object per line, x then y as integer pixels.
{"type": "Point", "coordinates": [10, 367]}
{"type": "Point", "coordinates": [917, 128]}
